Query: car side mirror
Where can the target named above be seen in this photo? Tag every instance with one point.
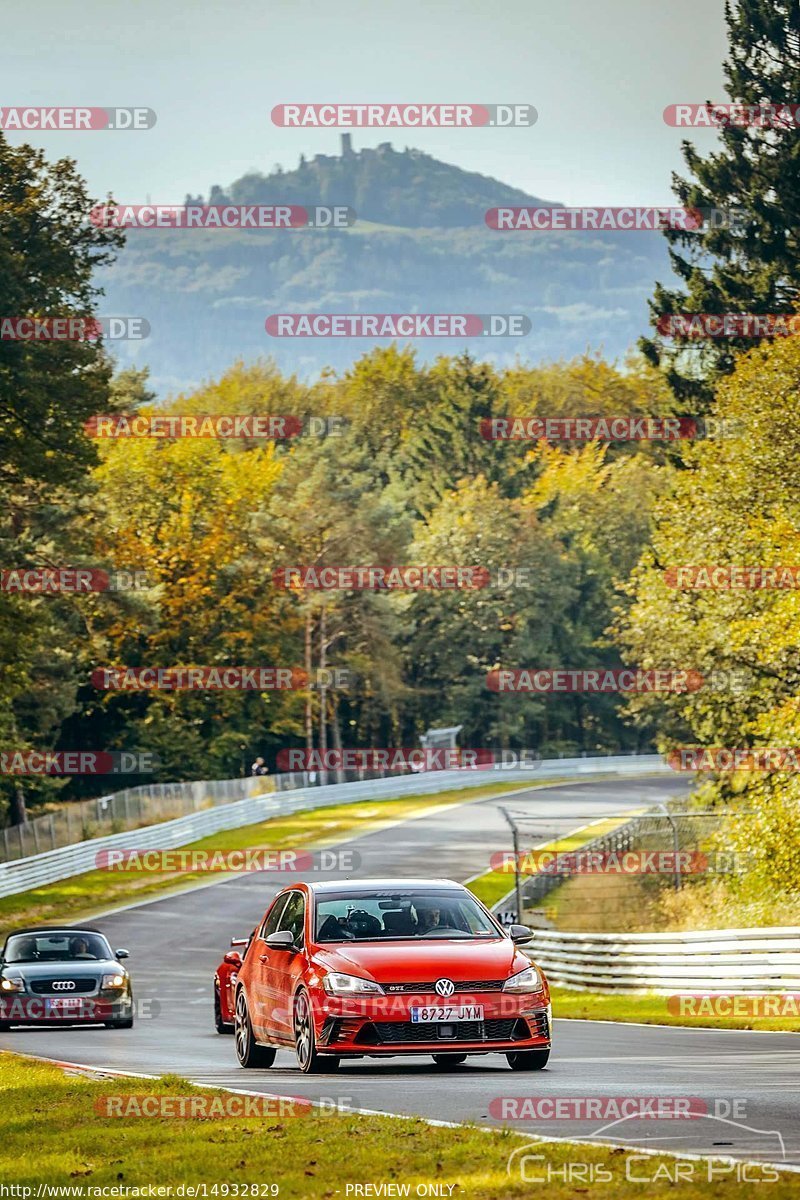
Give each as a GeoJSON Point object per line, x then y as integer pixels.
{"type": "Point", "coordinates": [282, 940]}
{"type": "Point", "coordinates": [122, 953]}
{"type": "Point", "coordinates": [233, 958]}
{"type": "Point", "coordinates": [520, 934]}
{"type": "Point", "coordinates": [239, 941]}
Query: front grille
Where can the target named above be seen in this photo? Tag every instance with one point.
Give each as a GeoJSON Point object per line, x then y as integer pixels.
{"type": "Point", "coordinates": [401, 1032]}
{"type": "Point", "coordinates": [427, 988]}
{"type": "Point", "coordinates": [43, 987]}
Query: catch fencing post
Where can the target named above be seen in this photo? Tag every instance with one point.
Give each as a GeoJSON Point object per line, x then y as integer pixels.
{"type": "Point", "coordinates": [517, 881]}
{"type": "Point", "coordinates": [676, 845]}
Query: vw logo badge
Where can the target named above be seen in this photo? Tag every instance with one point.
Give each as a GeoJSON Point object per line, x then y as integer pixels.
{"type": "Point", "coordinates": [444, 987]}
{"type": "Point", "coordinates": [64, 985]}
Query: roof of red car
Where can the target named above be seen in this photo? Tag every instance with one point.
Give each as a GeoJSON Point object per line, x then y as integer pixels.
{"type": "Point", "coordinates": [383, 885]}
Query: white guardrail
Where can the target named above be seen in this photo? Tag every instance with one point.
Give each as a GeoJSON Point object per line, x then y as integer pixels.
{"type": "Point", "coordinates": [712, 960]}
{"type": "Point", "coordinates": [23, 874]}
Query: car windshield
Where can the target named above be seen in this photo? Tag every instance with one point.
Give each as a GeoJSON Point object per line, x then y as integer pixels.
{"type": "Point", "coordinates": [378, 916]}
{"type": "Point", "coordinates": [69, 946]}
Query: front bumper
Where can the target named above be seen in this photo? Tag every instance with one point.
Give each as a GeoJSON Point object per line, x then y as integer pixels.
{"type": "Point", "coordinates": [382, 1025]}
{"type": "Point", "coordinates": [22, 1009]}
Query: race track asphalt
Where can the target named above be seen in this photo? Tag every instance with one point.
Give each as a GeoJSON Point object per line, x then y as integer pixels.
{"type": "Point", "coordinates": [746, 1081]}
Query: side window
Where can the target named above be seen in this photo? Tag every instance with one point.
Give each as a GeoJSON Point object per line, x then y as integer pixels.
{"type": "Point", "coordinates": [293, 917]}
{"type": "Point", "coordinates": [273, 916]}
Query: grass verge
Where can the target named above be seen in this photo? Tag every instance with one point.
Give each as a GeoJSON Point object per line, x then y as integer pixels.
{"type": "Point", "coordinates": [650, 1009]}
{"type": "Point", "coordinates": [54, 1135]}
{"type": "Point", "coordinates": [95, 891]}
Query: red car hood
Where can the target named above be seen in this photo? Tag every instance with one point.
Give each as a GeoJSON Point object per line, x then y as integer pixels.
{"type": "Point", "coordinates": [424, 961]}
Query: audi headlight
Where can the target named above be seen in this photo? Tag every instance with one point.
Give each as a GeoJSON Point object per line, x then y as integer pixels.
{"type": "Point", "coordinates": [350, 985]}
{"type": "Point", "coordinates": [528, 980]}
{"type": "Point", "coordinates": [12, 983]}
{"type": "Point", "coordinates": [112, 981]}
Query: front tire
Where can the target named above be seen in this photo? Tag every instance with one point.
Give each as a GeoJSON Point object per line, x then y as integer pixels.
{"type": "Point", "coordinates": [126, 1023]}
{"type": "Point", "coordinates": [220, 1025]}
{"type": "Point", "coordinates": [528, 1060]}
{"type": "Point", "coordinates": [305, 1043]}
{"type": "Point", "coordinates": [248, 1051]}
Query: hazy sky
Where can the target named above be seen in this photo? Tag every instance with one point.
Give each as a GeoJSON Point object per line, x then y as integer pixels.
{"type": "Point", "coordinates": [600, 73]}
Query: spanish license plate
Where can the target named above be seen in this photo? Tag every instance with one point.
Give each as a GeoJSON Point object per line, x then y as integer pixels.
{"type": "Point", "coordinates": [447, 1012]}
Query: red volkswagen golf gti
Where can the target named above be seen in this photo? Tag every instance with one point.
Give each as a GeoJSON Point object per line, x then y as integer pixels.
{"type": "Point", "coordinates": [382, 967]}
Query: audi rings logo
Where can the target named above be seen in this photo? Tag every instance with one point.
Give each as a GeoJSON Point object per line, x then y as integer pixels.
{"type": "Point", "coordinates": [444, 987]}
{"type": "Point", "coordinates": [64, 985]}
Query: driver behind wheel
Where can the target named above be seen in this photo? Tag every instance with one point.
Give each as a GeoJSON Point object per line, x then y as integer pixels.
{"type": "Point", "coordinates": [79, 948]}
{"type": "Point", "coordinates": [428, 918]}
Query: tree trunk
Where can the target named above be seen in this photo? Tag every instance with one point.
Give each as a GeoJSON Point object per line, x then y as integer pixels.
{"type": "Point", "coordinates": [336, 735]}
{"type": "Point", "coordinates": [309, 715]}
{"type": "Point", "coordinates": [323, 691]}
{"type": "Point", "coordinates": [17, 812]}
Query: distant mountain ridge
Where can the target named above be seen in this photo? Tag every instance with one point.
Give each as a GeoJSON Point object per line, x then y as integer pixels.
{"type": "Point", "coordinates": [419, 244]}
{"type": "Point", "coordinates": [407, 188]}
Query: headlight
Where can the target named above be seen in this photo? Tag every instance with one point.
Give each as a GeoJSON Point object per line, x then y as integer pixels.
{"type": "Point", "coordinates": [528, 980]}
{"type": "Point", "coordinates": [350, 985]}
{"type": "Point", "coordinates": [12, 984]}
{"type": "Point", "coordinates": [112, 981]}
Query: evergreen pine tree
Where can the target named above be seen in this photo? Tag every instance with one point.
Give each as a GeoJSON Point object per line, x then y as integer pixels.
{"type": "Point", "coordinates": [749, 264]}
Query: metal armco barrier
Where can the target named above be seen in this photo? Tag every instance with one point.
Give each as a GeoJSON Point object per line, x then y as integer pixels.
{"type": "Point", "coordinates": [23, 874]}
{"type": "Point", "coordinates": [713, 960]}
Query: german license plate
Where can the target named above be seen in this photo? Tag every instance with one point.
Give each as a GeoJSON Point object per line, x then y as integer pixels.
{"type": "Point", "coordinates": [447, 1012]}
{"type": "Point", "coordinates": [65, 1003]}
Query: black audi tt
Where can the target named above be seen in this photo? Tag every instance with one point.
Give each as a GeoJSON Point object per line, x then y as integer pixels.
{"type": "Point", "coordinates": [57, 975]}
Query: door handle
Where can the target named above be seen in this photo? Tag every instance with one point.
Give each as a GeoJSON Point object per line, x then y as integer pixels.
{"type": "Point", "coordinates": [263, 957]}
